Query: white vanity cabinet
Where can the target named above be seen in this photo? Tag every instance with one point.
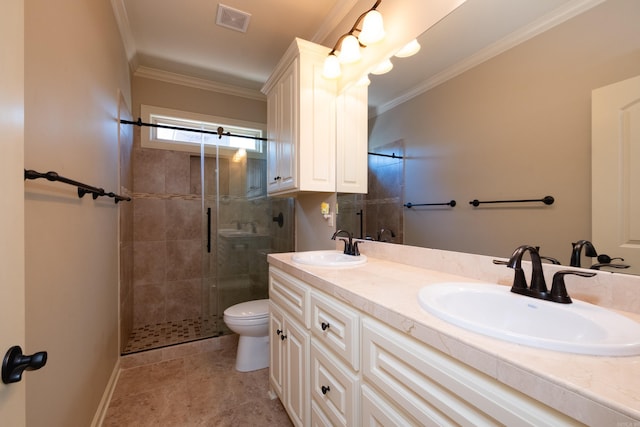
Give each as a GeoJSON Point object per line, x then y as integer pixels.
{"type": "Point", "coordinates": [363, 372]}
{"type": "Point", "coordinates": [301, 122]}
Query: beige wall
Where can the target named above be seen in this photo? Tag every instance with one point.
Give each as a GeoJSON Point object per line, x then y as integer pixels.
{"type": "Point", "coordinates": [185, 98]}
{"type": "Point", "coordinates": [515, 127]}
{"type": "Point", "coordinates": [74, 66]}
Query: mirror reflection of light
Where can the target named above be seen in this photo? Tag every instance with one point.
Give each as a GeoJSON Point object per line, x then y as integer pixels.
{"type": "Point", "coordinates": [382, 68]}
{"type": "Point", "coordinates": [409, 49]}
{"type": "Point", "coordinates": [239, 155]}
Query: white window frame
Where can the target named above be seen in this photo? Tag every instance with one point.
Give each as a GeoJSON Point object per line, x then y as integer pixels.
{"type": "Point", "coordinates": [150, 114]}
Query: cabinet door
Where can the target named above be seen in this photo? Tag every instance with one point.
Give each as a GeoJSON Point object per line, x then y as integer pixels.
{"type": "Point", "coordinates": [276, 363]}
{"type": "Point", "coordinates": [287, 143]}
{"type": "Point", "coordinates": [296, 348]}
{"type": "Point", "coordinates": [273, 138]}
{"type": "Point", "coordinates": [352, 140]}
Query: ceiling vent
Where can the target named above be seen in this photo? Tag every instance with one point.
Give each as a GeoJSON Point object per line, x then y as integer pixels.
{"type": "Point", "coordinates": [234, 19]}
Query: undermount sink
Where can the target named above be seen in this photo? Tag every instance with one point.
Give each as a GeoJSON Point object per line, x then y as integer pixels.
{"type": "Point", "coordinates": [328, 259]}
{"type": "Point", "coordinates": [494, 310]}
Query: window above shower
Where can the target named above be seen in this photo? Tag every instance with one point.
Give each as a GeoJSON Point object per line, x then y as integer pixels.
{"type": "Point", "coordinates": [241, 138]}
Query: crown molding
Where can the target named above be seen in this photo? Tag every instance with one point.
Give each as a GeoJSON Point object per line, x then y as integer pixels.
{"type": "Point", "coordinates": [198, 83]}
{"type": "Point", "coordinates": [336, 15]}
{"type": "Point", "coordinates": [120, 13]}
{"type": "Point", "coordinates": [557, 17]}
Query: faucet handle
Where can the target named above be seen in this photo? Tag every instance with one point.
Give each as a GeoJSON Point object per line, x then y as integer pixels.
{"type": "Point", "coordinates": [347, 247]}
{"type": "Point", "coordinates": [354, 250]}
{"type": "Point", "coordinates": [558, 288]}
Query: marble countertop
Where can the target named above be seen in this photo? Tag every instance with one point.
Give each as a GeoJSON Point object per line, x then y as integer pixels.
{"type": "Point", "coordinates": [602, 391]}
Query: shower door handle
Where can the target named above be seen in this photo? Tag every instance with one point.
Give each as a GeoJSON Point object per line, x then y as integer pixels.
{"type": "Point", "coordinates": [208, 230]}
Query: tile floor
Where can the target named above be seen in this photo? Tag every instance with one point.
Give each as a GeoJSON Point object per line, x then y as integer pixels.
{"type": "Point", "coordinates": [193, 384]}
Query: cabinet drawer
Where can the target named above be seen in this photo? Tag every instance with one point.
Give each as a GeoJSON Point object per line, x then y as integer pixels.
{"type": "Point", "coordinates": [337, 327]}
{"type": "Point", "coordinates": [439, 390]}
{"type": "Point", "coordinates": [334, 388]}
{"type": "Point", "coordinates": [289, 294]}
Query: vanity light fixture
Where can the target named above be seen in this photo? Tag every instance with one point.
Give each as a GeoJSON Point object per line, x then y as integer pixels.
{"type": "Point", "coordinates": [409, 49]}
{"type": "Point", "coordinates": [383, 68]}
{"type": "Point", "coordinates": [349, 44]}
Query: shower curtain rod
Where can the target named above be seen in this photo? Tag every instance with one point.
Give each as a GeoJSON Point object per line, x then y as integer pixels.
{"type": "Point", "coordinates": [220, 132]}
{"type": "Point", "coordinates": [392, 155]}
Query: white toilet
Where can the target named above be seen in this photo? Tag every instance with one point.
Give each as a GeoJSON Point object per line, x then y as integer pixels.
{"type": "Point", "coordinates": [250, 320]}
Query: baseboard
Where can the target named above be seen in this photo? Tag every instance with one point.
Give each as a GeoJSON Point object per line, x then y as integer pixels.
{"type": "Point", "coordinates": [101, 412]}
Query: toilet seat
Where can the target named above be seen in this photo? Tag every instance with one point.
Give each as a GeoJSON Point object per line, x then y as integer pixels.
{"type": "Point", "coordinates": [250, 310]}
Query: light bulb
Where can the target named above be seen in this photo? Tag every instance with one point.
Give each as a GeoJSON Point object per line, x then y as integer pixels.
{"type": "Point", "coordinates": [331, 67]}
{"type": "Point", "coordinates": [349, 50]}
{"type": "Point", "coordinates": [409, 49]}
{"type": "Point", "coordinates": [382, 68]}
{"type": "Point", "coordinates": [372, 28]}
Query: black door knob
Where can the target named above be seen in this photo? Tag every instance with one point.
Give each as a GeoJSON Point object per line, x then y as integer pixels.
{"type": "Point", "coordinates": [15, 363]}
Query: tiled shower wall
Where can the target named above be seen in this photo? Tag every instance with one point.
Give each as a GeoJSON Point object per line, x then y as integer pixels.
{"type": "Point", "coordinates": [167, 237]}
{"type": "Point", "coordinates": [382, 206]}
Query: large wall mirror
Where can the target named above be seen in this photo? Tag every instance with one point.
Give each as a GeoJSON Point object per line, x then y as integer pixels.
{"type": "Point", "coordinates": [495, 106]}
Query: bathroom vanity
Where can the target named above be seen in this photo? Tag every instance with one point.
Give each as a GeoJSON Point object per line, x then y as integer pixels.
{"type": "Point", "coordinates": [351, 346]}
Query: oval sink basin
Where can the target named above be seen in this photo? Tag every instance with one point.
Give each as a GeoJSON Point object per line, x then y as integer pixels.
{"type": "Point", "coordinates": [328, 259]}
{"type": "Point", "coordinates": [494, 310]}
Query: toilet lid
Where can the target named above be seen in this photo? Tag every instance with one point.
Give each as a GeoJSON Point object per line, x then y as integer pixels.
{"type": "Point", "coordinates": [249, 310]}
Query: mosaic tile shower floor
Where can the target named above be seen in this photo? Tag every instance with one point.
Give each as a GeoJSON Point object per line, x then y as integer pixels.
{"type": "Point", "coordinates": [162, 334]}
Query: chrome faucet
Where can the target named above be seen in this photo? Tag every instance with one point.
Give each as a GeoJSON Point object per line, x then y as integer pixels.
{"type": "Point", "coordinates": [538, 288]}
{"type": "Point", "coordinates": [350, 247]}
{"type": "Point", "coordinates": [576, 253]}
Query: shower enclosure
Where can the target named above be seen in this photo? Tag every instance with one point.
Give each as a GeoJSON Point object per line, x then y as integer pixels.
{"type": "Point", "coordinates": [202, 229]}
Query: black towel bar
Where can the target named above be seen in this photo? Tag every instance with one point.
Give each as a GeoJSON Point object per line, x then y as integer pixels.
{"type": "Point", "coordinates": [547, 200]}
{"type": "Point", "coordinates": [410, 205]}
{"type": "Point", "coordinates": [82, 188]}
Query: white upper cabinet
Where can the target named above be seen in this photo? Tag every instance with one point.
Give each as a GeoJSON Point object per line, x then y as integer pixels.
{"type": "Point", "coordinates": [301, 124]}
{"type": "Point", "coordinates": [352, 141]}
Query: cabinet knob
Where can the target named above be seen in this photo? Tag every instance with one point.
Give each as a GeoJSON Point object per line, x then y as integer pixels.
{"type": "Point", "coordinates": [278, 331]}
{"type": "Point", "coordinates": [283, 337]}
{"type": "Point", "coordinates": [277, 178]}
{"type": "Point", "coordinates": [325, 389]}
{"type": "Point", "coordinates": [325, 326]}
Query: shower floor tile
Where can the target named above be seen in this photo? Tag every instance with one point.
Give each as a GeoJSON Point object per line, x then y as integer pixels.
{"type": "Point", "coordinates": [162, 334]}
